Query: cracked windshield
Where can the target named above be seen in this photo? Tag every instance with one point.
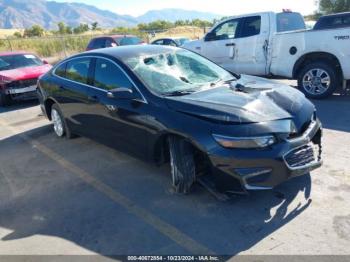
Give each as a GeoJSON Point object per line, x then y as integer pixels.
{"type": "Point", "coordinates": [178, 72]}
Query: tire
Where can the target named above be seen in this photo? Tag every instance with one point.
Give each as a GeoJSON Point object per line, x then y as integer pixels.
{"type": "Point", "coordinates": [182, 164]}
{"type": "Point", "coordinates": [57, 118]}
{"type": "Point", "coordinates": [318, 80]}
{"type": "Point", "coordinates": [5, 100]}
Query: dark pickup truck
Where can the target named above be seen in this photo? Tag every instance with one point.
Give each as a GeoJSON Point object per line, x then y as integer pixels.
{"type": "Point", "coordinates": [333, 21]}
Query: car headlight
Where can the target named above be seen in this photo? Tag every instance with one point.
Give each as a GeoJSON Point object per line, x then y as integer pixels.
{"type": "Point", "coordinates": [244, 142]}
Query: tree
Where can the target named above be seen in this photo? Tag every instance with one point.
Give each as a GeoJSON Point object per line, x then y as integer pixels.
{"type": "Point", "coordinates": [201, 23]}
{"type": "Point", "coordinates": [180, 23]}
{"type": "Point", "coordinates": [155, 25]}
{"type": "Point", "coordinates": [61, 28]}
{"type": "Point", "coordinates": [94, 26]}
{"type": "Point", "coordinates": [17, 35]}
{"type": "Point", "coordinates": [69, 30]}
{"type": "Point", "coordinates": [82, 28]}
{"type": "Point", "coordinates": [334, 6]}
{"type": "Point", "coordinates": [34, 31]}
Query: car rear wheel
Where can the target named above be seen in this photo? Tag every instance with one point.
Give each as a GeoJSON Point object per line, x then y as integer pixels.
{"type": "Point", "coordinates": [59, 123]}
{"type": "Point", "coordinates": [182, 164]}
{"type": "Point", "coordinates": [318, 80]}
{"type": "Point", "coordinates": [5, 100]}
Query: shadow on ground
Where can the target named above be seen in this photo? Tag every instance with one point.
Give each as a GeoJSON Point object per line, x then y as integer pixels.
{"type": "Point", "coordinates": [40, 197]}
{"type": "Point", "coordinates": [16, 105]}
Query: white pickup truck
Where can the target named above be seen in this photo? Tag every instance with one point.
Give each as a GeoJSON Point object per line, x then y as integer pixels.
{"type": "Point", "coordinates": [277, 44]}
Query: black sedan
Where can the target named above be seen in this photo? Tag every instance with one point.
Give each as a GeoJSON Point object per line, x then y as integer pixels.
{"type": "Point", "coordinates": [167, 104]}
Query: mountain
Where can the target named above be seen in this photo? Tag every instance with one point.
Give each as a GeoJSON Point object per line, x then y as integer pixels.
{"type": "Point", "coordinates": [25, 13]}
{"type": "Point", "coordinates": [172, 14]}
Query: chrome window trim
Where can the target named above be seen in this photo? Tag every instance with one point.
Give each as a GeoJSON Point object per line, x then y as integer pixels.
{"type": "Point", "coordinates": [87, 85]}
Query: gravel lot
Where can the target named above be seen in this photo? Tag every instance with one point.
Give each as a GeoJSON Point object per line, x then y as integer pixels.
{"type": "Point", "coordinates": [78, 197]}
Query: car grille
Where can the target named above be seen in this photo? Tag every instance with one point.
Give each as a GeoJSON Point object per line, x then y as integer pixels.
{"type": "Point", "coordinates": [22, 83]}
{"type": "Point", "coordinates": [301, 156]}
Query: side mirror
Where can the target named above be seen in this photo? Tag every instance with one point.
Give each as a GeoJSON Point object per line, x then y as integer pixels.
{"type": "Point", "coordinates": [210, 37]}
{"type": "Point", "coordinates": [121, 93]}
{"type": "Point", "coordinates": [45, 62]}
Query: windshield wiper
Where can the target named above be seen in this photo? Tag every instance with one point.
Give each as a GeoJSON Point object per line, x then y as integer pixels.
{"type": "Point", "coordinates": [221, 81]}
{"type": "Point", "coordinates": [179, 93]}
{"type": "Point", "coordinates": [184, 79]}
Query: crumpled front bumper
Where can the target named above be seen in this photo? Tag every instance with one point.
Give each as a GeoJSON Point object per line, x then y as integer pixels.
{"type": "Point", "coordinates": [21, 90]}
{"type": "Point", "coordinates": [266, 168]}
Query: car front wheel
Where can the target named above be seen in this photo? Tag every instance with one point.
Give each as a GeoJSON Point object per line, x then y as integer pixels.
{"type": "Point", "coordinates": [182, 164]}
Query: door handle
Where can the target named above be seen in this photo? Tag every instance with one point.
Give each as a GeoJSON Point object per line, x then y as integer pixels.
{"type": "Point", "coordinates": [93, 98]}
{"type": "Point", "coordinates": [230, 44]}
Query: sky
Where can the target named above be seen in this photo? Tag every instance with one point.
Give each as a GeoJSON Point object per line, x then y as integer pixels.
{"type": "Point", "coordinates": [221, 7]}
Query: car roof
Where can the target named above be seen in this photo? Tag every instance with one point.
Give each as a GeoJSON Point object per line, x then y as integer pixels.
{"type": "Point", "coordinates": [172, 38]}
{"type": "Point", "coordinates": [13, 53]}
{"type": "Point", "coordinates": [335, 15]}
{"type": "Point", "coordinates": [125, 52]}
{"type": "Point", "coordinates": [114, 36]}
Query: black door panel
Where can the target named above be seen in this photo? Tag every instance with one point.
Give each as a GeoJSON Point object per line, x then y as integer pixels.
{"type": "Point", "coordinates": [116, 122]}
{"type": "Point", "coordinates": [72, 93]}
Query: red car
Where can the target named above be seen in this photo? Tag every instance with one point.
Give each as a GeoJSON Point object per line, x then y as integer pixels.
{"type": "Point", "coordinates": [113, 40]}
{"type": "Point", "coordinates": [19, 72]}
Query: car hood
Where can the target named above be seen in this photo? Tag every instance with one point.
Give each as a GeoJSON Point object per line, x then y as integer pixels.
{"type": "Point", "coordinates": [260, 100]}
{"type": "Point", "coordinates": [24, 73]}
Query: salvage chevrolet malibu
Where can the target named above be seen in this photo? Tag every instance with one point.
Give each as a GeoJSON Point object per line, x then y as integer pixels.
{"type": "Point", "coordinates": [236, 133]}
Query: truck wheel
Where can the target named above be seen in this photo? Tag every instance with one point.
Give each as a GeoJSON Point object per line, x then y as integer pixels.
{"type": "Point", "coordinates": [182, 164]}
{"type": "Point", "coordinates": [318, 80]}
{"type": "Point", "coordinates": [59, 123]}
{"type": "Point", "coordinates": [5, 100]}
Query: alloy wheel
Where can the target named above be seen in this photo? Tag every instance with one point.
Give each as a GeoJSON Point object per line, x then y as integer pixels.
{"type": "Point", "coordinates": [316, 81]}
{"type": "Point", "coordinates": [57, 123]}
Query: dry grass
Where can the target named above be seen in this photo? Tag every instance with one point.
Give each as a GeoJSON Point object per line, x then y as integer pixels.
{"type": "Point", "coordinates": [191, 32]}
{"type": "Point", "coordinates": [9, 32]}
{"type": "Point", "coordinates": [56, 47]}
{"type": "Point", "coordinates": [47, 46]}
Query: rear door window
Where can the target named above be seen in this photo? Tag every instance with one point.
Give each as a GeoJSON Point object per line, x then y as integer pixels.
{"type": "Point", "coordinates": [61, 70]}
{"type": "Point", "coordinates": [169, 42]}
{"type": "Point", "coordinates": [129, 41]}
{"type": "Point", "coordinates": [78, 70]}
{"type": "Point", "coordinates": [110, 42]}
{"type": "Point", "coordinates": [289, 22]}
{"type": "Point", "coordinates": [99, 43]}
{"type": "Point", "coordinates": [251, 26]}
{"type": "Point", "coordinates": [108, 76]}
{"type": "Point", "coordinates": [346, 20]}
{"type": "Point", "coordinates": [158, 42]}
